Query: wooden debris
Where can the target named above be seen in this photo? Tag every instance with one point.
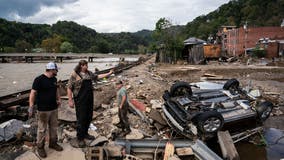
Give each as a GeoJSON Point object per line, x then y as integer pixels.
{"type": "Point", "coordinates": [227, 146]}
{"type": "Point", "coordinates": [184, 151]}
{"type": "Point", "coordinates": [169, 151]}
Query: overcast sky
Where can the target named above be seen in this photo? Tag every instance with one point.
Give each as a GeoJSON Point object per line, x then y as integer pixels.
{"type": "Point", "coordinates": [107, 15]}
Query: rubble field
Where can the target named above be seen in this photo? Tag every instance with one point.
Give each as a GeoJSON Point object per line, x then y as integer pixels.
{"type": "Point", "coordinates": [145, 85]}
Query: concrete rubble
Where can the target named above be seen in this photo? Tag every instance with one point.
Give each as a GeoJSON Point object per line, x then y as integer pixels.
{"type": "Point", "coordinates": [9, 129]}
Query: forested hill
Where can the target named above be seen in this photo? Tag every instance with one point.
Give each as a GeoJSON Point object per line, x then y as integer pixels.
{"type": "Point", "coordinates": [238, 12]}
{"type": "Point", "coordinates": [65, 36]}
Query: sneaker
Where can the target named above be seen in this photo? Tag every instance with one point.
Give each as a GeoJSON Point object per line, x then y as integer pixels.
{"type": "Point", "coordinates": [56, 147]}
{"type": "Point", "coordinates": [41, 152]}
{"type": "Point", "coordinates": [81, 143]}
{"type": "Point", "coordinates": [90, 137]}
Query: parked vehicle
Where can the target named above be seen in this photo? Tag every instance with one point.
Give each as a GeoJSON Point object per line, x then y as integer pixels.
{"type": "Point", "coordinates": [205, 111]}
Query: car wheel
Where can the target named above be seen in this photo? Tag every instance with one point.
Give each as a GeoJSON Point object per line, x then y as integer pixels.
{"type": "Point", "coordinates": [166, 95]}
{"type": "Point", "coordinates": [231, 84]}
{"type": "Point", "coordinates": [210, 122]}
{"type": "Point", "coordinates": [181, 88]}
{"type": "Point", "coordinates": [263, 110]}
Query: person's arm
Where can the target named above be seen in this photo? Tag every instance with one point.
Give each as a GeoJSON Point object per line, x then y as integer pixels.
{"type": "Point", "coordinates": [105, 75]}
{"type": "Point", "coordinates": [123, 100]}
{"type": "Point", "coordinates": [70, 87]}
{"type": "Point", "coordinates": [31, 102]}
{"type": "Point", "coordinates": [70, 98]}
{"type": "Point", "coordinates": [58, 99]}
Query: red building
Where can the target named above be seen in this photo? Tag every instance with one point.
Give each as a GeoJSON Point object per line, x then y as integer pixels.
{"type": "Point", "coordinates": [236, 40]}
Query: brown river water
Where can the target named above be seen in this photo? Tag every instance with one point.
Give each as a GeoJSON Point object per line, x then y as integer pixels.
{"type": "Point", "coordinates": [15, 77]}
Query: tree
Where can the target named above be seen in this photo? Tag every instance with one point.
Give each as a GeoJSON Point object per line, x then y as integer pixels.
{"type": "Point", "coordinates": [66, 47]}
{"type": "Point", "coordinates": [23, 46]}
{"type": "Point", "coordinates": [169, 37]}
{"type": "Point", "coordinates": [52, 44]}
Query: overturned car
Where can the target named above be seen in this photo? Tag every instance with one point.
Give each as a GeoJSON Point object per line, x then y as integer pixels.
{"type": "Point", "coordinates": [203, 112]}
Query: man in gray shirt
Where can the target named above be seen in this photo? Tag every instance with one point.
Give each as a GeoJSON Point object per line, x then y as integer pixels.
{"type": "Point", "coordinates": [122, 103]}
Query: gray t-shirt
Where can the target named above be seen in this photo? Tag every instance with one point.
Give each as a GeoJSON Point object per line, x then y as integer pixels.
{"type": "Point", "coordinates": [120, 93]}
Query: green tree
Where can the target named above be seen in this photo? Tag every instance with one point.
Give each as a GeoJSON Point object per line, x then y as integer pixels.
{"type": "Point", "coordinates": [23, 46]}
{"type": "Point", "coordinates": [66, 47]}
{"type": "Point", "coordinates": [52, 44]}
{"type": "Point", "coordinates": [168, 36]}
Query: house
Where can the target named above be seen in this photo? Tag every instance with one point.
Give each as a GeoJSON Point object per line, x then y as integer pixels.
{"type": "Point", "coordinates": [235, 41]}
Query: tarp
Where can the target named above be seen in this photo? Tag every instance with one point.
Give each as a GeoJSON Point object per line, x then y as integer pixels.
{"type": "Point", "coordinates": [193, 40]}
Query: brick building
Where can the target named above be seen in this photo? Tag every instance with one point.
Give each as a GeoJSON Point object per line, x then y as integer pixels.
{"type": "Point", "coordinates": [236, 40]}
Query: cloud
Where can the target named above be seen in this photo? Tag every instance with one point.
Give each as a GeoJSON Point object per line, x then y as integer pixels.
{"type": "Point", "coordinates": [109, 15]}
{"type": "Point", "coordinates": [25, 8]}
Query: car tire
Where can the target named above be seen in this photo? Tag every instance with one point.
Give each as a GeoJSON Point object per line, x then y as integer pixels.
{"type": "Point", "coordinates": [166, 95]}
{"type": "Point", "coordinates": [231, 84]}
{"type": "Point", "coordinates": [209, 122]}
{"type": "Point", "coordinates": [263, 110]}
{"type": "Point", "coordinates": [180, 88]}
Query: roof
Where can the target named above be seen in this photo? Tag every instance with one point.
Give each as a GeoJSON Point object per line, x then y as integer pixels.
{"type": "Point", "coordinates": [193, 40]}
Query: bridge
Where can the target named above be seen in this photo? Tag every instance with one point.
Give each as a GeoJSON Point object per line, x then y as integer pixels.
{"type": "Point", "coordinates": [29, 57]}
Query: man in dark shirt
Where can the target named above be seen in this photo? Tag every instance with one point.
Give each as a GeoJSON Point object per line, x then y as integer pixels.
{"type": "Point", "coordinates": [44, 92]}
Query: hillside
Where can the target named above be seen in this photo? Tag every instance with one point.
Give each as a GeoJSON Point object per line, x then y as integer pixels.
{"type": "Point", "coordinates": [22, 37]}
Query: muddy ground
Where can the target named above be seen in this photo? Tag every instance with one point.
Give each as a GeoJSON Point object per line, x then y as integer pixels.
{"type": "Point", "coordinates": [149, 80]}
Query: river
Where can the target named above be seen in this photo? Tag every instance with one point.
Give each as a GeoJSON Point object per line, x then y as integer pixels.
{"type": "Point", "coordinates": [15, 77]}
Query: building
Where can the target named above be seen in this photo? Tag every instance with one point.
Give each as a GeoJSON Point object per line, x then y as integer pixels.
{"type": "Point", "coordinates": [235, 41]}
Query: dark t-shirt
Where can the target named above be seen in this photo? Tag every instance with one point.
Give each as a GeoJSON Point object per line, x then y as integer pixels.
{"type": "Point", "coordinates": [46, 92]}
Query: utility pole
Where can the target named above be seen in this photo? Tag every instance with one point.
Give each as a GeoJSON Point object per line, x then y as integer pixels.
{"type": "Point", "coordinates": [246, 36]}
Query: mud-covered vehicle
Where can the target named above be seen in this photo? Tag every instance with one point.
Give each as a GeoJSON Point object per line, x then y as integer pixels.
{"type": "Point", "coordinates": [205, 111]}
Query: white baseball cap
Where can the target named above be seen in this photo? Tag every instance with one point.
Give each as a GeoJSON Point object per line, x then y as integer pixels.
{"type": "Point", "coordinates": [51, 65]}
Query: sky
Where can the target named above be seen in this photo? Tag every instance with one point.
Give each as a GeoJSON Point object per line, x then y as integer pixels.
{"type": "Point", "coordinates": [107, 16]}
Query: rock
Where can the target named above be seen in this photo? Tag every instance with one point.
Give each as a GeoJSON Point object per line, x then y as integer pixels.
{"type": "Point", "coordinates": [9, 129]}
{"type": "Point", "coordinates": [113, 111]}
{"type": "Point", "coordinates": [96, 114]}
{"type": "Point", "coordinates": [159, 126]}
{"type": "Point", "coordinates": [66, 113]}
{"type": "Point", "coordinates": [114, 150]}
{"type": "Point", "coordinates": [28, 156]}
{"type": "Point", "coordinates": [115, 119]}
{"type": "Point", "coordinates": [156, 104]}
{"type": "Point", "coordinates": [127, 87]}
{"type": "Point", "coordinates": [28, 145]}
{"type": "Point", "coordinates": [277, 112]}
{"type": "Point", "coordinates": [134, 134]}
{"type": "Point", "coordinates": [98, 141]}
{"type": "Point", "coordinates": [141, 95]}
{"type": "Point", "coordinates": [148, 109]}
{"type": "Point", "coordinates": [69, 134]}
{"type": "Point", "coordinates": [105, 106]}
{"type": "Point", "coordinates": [156, 116]}
{"type": "Point", "coordinates": [68, 152]}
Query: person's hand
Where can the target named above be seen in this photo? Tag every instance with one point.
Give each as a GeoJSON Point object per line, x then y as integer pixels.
{"type": "Point", "coordinates": [58, 102]}
{"type": "Point", "coordinates": [71, 103]}
{"type": "Point", "coordinates": [30, 111]}
{"type": "Point", "coordinates": [111, 71]}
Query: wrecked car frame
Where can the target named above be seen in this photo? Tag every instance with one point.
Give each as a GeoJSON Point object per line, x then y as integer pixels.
{"type": "Point", "coordinates": [205, 111]}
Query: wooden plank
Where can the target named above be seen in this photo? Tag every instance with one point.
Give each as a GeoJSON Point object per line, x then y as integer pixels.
{"type": "Point", "coordinates": [228, 148]}
{"type": "Point", "coordinates": [184, 151]}
{"type": "Point", "coordinates": [169, 150]}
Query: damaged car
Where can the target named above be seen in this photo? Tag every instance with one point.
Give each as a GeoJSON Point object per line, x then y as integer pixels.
{"type": "Point", "coordinates": [203, 112]}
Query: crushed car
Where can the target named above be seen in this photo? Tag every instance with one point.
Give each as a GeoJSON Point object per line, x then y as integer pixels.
{"type": "Point", "coordinates": [203, 112]}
